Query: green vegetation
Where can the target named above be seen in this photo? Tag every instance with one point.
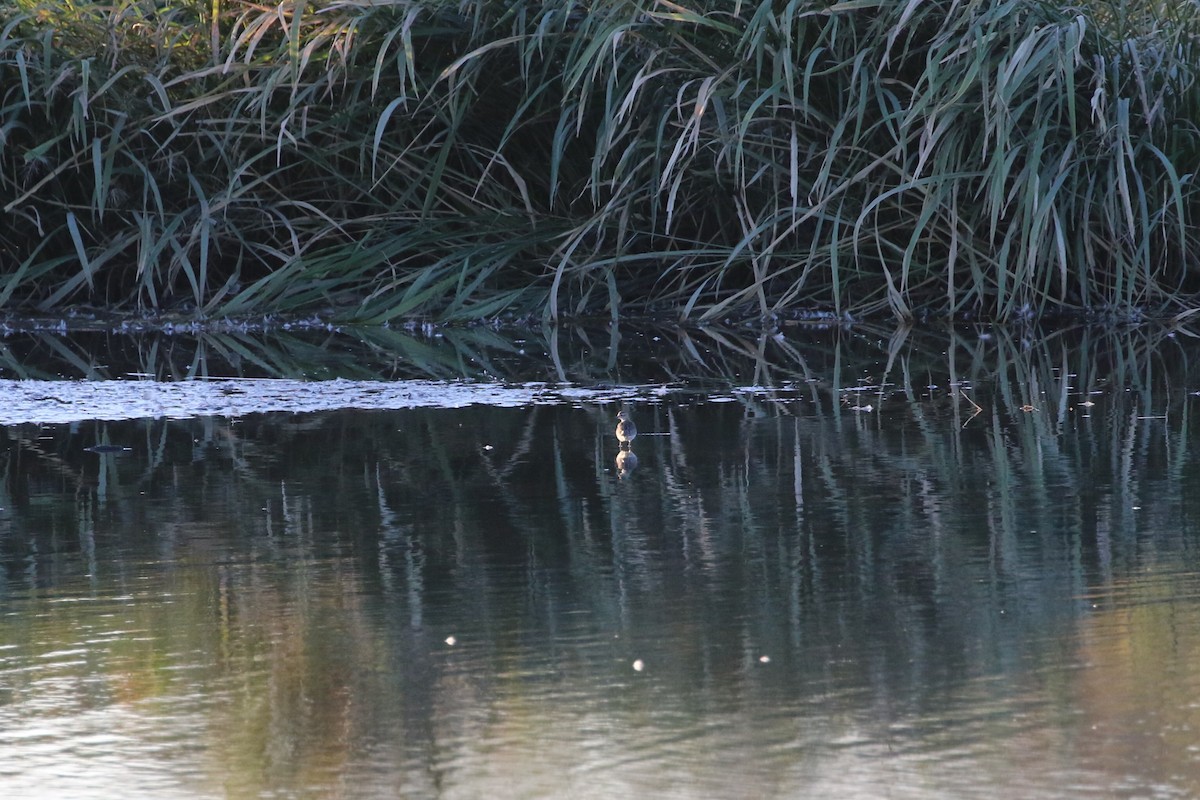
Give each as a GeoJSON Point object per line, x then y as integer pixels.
{"type": "Point", "coordinates": [379, 160]}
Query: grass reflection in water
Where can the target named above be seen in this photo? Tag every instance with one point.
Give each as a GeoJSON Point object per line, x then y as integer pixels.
{"type": "Point", "coordinates": [942, 586]}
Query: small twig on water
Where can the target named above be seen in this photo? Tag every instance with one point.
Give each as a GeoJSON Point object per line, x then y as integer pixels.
{"type": "Point", "coordinates": [977, 409]}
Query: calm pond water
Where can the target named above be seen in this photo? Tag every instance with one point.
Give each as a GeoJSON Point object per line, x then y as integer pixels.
{"type": "Point", "coordinates": [849, 566]}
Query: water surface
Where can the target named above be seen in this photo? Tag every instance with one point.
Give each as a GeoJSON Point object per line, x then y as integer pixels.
{"type": "Point", "coordinates": [879, 571]}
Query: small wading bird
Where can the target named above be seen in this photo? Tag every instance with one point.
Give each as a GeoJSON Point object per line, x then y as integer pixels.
{"type": "Point", "coordinates": [626, 430]}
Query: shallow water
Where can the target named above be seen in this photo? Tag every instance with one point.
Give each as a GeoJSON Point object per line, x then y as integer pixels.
{"type": "Point", "coordinates": [846, 583]}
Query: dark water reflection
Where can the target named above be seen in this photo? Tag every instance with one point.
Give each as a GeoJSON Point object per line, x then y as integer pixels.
{"type": "Point", "coordinates": [913, 601]}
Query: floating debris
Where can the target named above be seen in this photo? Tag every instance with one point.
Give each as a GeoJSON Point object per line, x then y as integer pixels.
{"type": "Point", "coordinates": [639, 665]}
{"type": "Point", "coordinates": [450, 640]}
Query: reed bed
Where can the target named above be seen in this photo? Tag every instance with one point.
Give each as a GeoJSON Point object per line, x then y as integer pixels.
{"type": "Point", "coordinates": [373, 161]}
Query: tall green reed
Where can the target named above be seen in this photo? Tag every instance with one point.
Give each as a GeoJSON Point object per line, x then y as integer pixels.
{"type": "Point", "coordinates": [373, 161]}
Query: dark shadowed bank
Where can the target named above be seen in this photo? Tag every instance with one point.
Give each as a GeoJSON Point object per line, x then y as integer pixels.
{"type": "Point", "coordinates": [372, 161]}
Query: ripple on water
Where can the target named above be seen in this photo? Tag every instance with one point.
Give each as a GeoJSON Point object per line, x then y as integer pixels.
{"type": "Point", "coordinates": [364, 624]}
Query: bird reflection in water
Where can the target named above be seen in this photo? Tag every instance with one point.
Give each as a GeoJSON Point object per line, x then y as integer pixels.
{"type": "Point", "coordinates": [626, 463]}
{"type": "Point", "coordinates": [626, 433]}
